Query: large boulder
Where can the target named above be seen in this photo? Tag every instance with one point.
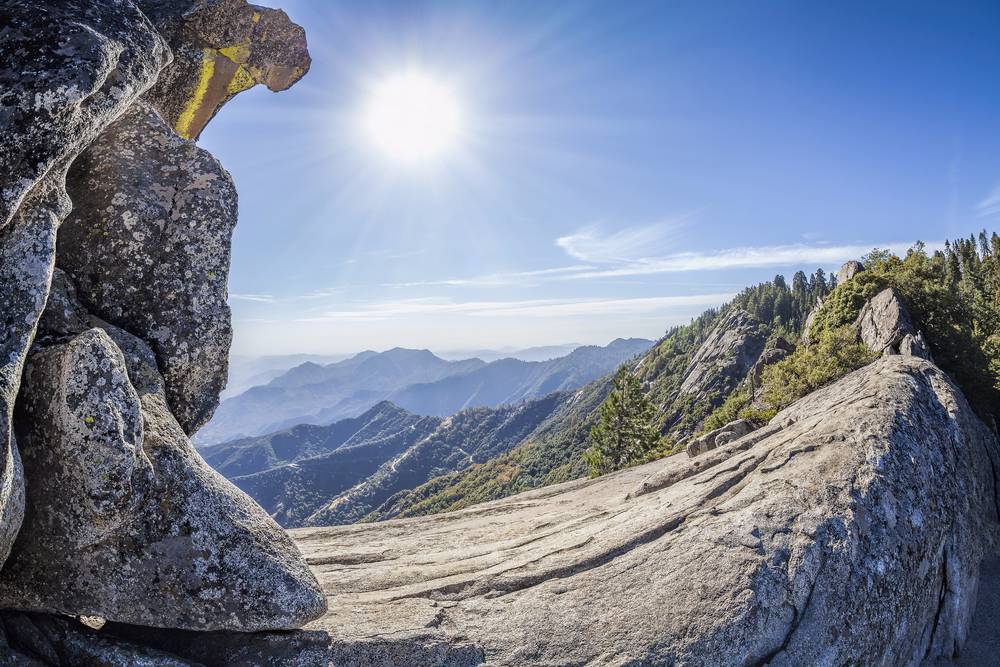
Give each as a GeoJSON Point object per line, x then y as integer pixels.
{"type": "Point", "coordinates": [66, 71]}
{"type": "Point", "coordinates": [221, 48]}
{"type": "Point", "coordinates": [885, 326]}
{"type": "Point", "coordinates": [849, 270]}
{"type": "Point", "coordinates": [124, 520]}
{"type": "Point", "coordinates": [148, 245]}
{"type": "Point", "coordinates": [849, 531]}
{"type": "Point", "coordinates": [718, 437]}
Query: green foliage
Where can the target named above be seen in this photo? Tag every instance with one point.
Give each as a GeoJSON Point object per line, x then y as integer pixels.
{"type": "Point", "coordinates": [953, 296]}
{"type": "Point", "coordinates": [783, 309]}
{"type": "Point", "coordinates": [625, 433]}
{"type": "Point", "coordinates": [833, 354]}
{"type": "Point", "coordinates": [727, 412]}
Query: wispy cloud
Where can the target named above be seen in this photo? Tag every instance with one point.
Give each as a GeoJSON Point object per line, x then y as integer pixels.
{"type": "Point", "coordinates": [494, 279]}
{"type": "Point", "coordinates": [590, 244]}
{"type": "Point", "coordinates": [738, 258]}
{"type": "Point", "coordinates": [990, 205]}
{"type": "Point", "coordinates": [615, 264]}
{"type": "Point", "coordinates": [263, 298]}
{"type": "Point", "coordinates": [539, 308]}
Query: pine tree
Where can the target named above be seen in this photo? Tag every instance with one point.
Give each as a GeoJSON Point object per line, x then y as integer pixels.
{"type": "Point", "coordinates": [625, 433]}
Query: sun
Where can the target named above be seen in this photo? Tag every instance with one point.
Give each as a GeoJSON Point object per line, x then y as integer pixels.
{"type": "Point", "coordinates": [413, 117]}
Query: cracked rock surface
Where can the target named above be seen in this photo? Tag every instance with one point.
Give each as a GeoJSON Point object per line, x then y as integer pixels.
{"type": "Point", "coordinates": [124, 519]}
{"type": "Point", "coordinates": [66, 71]}
{"type": "Point", "coordinates": [848, 531]}
{"type": "Point", "coordinates": [148, 246]}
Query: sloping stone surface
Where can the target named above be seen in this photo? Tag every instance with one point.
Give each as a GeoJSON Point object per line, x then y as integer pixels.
{"type": "Point", "coordinates": [148, 245]}
{"type": "Point", "coordinates": [221, 48]}
{"type": "Point", "coordinates": [124, 520]}
{"type": "Point", "coordinates": [849, 531]}
{"type": "Point", "coordinates": [726, 356]}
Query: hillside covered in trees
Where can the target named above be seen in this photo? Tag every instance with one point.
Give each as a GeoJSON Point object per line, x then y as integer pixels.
{"type": "Point", "coordinates": [953, 294]}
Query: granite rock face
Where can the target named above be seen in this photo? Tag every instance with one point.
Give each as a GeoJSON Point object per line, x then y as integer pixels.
{"type": "Point", "coordinates": [124, 520]}
{"type": "Point", "coordinates": [849, 270]}
{"type": "Point", "coordinates": [148, 246]}
{"type": "Point", "coordinates": [885, 327]}
{"type": "Point", "coordinates": [718, 437]}
{"type": "Point", "coordinates": [848, 531]}
{"type": "Point", "coordinates": [221, 48]}
{"type": "Point", "coordinates": [66, 71]}
{"type": "Point", "coordinates": [727, 355]}
{"type": "Point", "coordinates": [122, 517]}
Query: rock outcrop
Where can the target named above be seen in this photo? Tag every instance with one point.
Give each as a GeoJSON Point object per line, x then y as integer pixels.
{"type": "Point", "coordinates": [727, 354]}
{"type": "Point", "coordinates": [221, 48]}
{"type": "Point", "coordinates": [718, 437]}
{"type": "Point", "coordinates": [849, 270]}
{"type": "Point", "coordinates": [147, 244]}
{"type": "Point", "coordinates": [66, 73]}
{"type": "Point", "coordinates": [848, 531]}
{"type": "Point", "coordinates": [776, 350]}
{"type": "Point", "coordinates": [885, 327]}
{"type": "Point", "coordinates": [124, 520]}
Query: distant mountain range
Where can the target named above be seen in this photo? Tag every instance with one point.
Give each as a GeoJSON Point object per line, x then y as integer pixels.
{"type": "Point", "coordinates": [247, 371]}
{"type": "Point", "coordinates": [344, 472]}
{"type": "Point", "coordinates": [540, 353]}
{"type": "Point", "coordinates": [416, 380]}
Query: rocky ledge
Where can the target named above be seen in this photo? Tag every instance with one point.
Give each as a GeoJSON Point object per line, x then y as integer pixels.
{"type": "Point", "coordinates": [850, 530]}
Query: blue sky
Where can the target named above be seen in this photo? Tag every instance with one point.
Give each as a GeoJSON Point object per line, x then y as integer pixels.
{"type": "Point", "coordinates": [622, 167]}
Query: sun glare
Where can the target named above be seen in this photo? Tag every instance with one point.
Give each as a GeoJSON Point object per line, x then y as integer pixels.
{"type": "Point", "coordinates": [413, 117]}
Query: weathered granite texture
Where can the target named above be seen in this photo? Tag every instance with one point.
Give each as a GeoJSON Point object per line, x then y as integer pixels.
{"type": "Point", "coordinates": [885, 327]}
{"type": "Point", "coordinates": [124, 519]}
{"type": "Point", "coordinates": [221, 48]}
{"type": "Point", "coordinates": [148, 246]}
{"type": "Point", "coordinates": [849, 531]}
{"type": "Point", "coordinates": [66, 71]}
{"type": "Point", "coordinates": [849, 270]}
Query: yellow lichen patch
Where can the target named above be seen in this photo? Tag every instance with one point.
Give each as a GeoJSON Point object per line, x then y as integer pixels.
{"type": "Point", "coordinates": [197, 96]}
{"type": "Point", "coordinates": [238, 53]}
{"type": "Point", "coordinates": [256, 17]}
{"type": "Point", "coordinates": [241, 81]}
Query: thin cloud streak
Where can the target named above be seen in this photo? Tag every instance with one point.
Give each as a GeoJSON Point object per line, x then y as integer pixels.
{"type": "Point", "coordinates": [738, 258]}
{"type": "Point", "coordinates": [261, 298]}
{"type": "Point", "coordinates": [492, 279]}
{"type": "Point", "coordinates": [733, 258]}
{"type": "Point", "coordinates": [590, 245]}
{"type": "Point", "coordinates": [991, 205]}
{"type": "Point", "coordinates": [538, 308]}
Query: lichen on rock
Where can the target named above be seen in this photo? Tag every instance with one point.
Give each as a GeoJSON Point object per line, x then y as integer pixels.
{"type": "Point", "coordinates": [148, 245]}
{"type": "Point", "coordinates": [221, 48]}
{"type": "Point", "coordinates": [124, 519]}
